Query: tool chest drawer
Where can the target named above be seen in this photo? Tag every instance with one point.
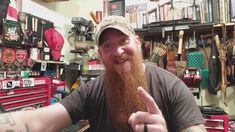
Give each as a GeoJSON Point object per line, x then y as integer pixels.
{"type": "Point", "coordinates": [217, 123]}
{"type": "Point", "coordinates": [24, 92]}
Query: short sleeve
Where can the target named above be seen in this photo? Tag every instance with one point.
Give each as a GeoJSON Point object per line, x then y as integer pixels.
{"type": "Point", "coordinates": [74, 103]}
{"type": "Point", "coordinates": [185, 110]}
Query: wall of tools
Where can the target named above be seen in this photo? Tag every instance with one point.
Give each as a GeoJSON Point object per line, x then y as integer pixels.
{"type": "Point", "coordinates": [195, 41]}
{"type": "Point", "coordinates": [22, 43]}
{"type": "Point", "coordinates": [205, 62]}
{"type": "Point", "coordinates": [26, 63]}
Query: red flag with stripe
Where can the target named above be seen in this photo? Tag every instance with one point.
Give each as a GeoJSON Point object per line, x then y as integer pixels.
{"type": "Point", "coordinates": [12, 13]}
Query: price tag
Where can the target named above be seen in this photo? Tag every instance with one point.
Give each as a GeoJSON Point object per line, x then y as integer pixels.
{"type": "Point", "coordinates": [8, 84]}
{"type": "Point", "coordinates": [43, 66]}
{"type": "Point", "coordinates": [28, 82]}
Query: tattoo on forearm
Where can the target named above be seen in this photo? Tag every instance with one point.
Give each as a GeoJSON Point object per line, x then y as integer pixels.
{"type": "Point", "coordinates": [202, 127]}
{"type": "Point", "coordinates": [10, 130]}
{"type": "Point", "coordinates": [7, 119]}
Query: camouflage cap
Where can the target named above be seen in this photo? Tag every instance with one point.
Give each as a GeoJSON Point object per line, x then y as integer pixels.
{"type": "Point", "coordinates": [117, 22]}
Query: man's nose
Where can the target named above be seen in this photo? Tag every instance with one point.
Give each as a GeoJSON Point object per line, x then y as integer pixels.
{"type": "Point", "coordinates": [119, 50]}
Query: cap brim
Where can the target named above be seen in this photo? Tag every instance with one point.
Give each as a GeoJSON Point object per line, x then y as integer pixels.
{"type": "Point", "coordinates": [120, 28]}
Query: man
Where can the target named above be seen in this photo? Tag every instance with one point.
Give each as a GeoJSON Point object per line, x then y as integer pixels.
{"type": "Point", "coordinates": [130, 96]}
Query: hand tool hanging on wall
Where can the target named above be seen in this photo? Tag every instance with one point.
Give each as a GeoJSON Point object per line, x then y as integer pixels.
{"type": "Point", "coordinates": [194, 10]}
{"type": "Point", "coordinates": [94, 17]}
{"type": "Point", "coordinates": [193, 44]}
{"type": "Point", "coordinates": [171, 11]}
{"type": "Point", "coordinates": [171, 54]}
{"type": "Point", "coordinates": [233, 54]}
{"type": "Point", "coordinates": [223, 51]}
{"type": "Point", "coordinates": [181, 55]}
{"type": "Point", "coordinates": [180, 46]}
{"type": "Point", "coordinates": [230, 70]}
{"type": "Point", "coordinates": [40, 42]}
{"type": "Point", "coordinates": [232, 43]}
{"type": "Point", "coordinates": [32, 33]}
{"type": "Point", "coordinates": [204, 46]}
{"type": "Point", "coordinates": [23, 22]}
{"type": "Point", "coordinates": [214, 66]}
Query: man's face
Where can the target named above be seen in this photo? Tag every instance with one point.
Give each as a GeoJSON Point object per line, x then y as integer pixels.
{"type": "Point", "coordinates": [124, 72]}
{"type": "Point", "coordinates": [117, 49]}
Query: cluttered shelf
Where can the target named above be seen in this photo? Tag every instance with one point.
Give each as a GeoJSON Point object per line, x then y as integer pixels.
{"type": "Point", "coordinates": [164, 42]}
{"type": "Point", "coordinates": [93, 69]}
{"type": "Point", "coordinates": [158, 28]}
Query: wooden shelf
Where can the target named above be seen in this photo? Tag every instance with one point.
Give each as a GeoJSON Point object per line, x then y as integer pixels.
{"type": "Point", "coordinates": [158, 28]}
{"type": "Point", "coordinates": [50, 62]}
{"type": "Point", "coordinates": [226, 24]}
{"type": "Point", "coordinates": [54, 0]}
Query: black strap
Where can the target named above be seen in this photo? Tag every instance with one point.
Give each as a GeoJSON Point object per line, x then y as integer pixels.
{"type": "Point", "coordinates": [145, 127]}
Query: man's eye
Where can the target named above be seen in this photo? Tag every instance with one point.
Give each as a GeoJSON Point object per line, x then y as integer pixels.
{"type": "Point", "coordinates": [107, 46]}
{"type": "Point", "coordinates": [125, 41]}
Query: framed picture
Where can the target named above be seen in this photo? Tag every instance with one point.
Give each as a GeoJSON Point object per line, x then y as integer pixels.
{"type": "Point", "coordinates": [117, 7]}
{"type": "Point", "coordinates": [11, 33]}
{"type": "Point", "coordinates": [232, 10]}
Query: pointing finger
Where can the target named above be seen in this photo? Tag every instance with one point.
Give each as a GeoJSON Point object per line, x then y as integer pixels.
{"type": "Point", "coordinates": [149, 101]}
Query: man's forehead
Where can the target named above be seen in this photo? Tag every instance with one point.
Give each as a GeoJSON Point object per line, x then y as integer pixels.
{"type": "Point", "coordinates": [110, 30]}
{"type": "Point", "coordinates": [108, 33]}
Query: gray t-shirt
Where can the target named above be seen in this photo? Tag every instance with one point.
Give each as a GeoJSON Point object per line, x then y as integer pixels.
{"type": "Point", "coordinates": [171, 95]}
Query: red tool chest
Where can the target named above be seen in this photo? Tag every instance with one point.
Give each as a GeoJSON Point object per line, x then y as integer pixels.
{"type": "Point", "coordinates": [217, 123]}
{"type": "Point", "coordinates": [24, 92]}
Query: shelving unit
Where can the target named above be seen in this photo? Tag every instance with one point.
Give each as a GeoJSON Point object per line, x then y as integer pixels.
{"type": "Point", "coordinates": [56, 63]}
{"type": "Point", "coordinates": [159, 28]}
{"type": "Point", "coordinates": [50, 62]}
{"type": "Point", "coordinates": [157, 32]}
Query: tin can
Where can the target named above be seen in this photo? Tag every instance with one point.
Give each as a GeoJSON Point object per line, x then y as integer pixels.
{"type": "Point", "coordinates": [98, 15]}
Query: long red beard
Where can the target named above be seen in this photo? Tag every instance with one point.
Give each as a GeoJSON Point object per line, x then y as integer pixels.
{"type": "Point", "coordinates": [121, 92]}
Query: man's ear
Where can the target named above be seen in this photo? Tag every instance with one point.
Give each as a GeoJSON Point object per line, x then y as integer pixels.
{"type": "Point", "coordinates": [137, 39]}
{"type": "Point", "coordinates": [99, 52]}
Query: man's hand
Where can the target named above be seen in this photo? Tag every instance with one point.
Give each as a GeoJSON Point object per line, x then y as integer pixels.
{"type": "Point", "coordinates": [153, 118]}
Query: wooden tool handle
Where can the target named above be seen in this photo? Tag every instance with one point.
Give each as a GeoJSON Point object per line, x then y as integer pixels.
{"type": "Point", "coordinates": [172, 11]}
{"type": "Point", "coordinates": [224, 82]}
{"type": "Point", "coordinates": [26, 23]}
{"type": "Point", "coordinates": [33, 24]}
{"type": "Point", "coordinates": [224, 79]}
{"type": "Point", "coordinates": [223, 68]}
{"type": "Point", "coordinates": [36, 25]}
{"type": "Point", "coordinates": [217, 42]}
{"type": "Point", "coordinates": [94, 17]}
{"type": "Point", "coordinates": [181, 35]}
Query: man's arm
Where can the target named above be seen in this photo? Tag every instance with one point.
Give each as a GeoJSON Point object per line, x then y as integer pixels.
{"type": "Point", "coordinates": [197, 128]}
{"type": "Point", "coordinates": [47, 119]}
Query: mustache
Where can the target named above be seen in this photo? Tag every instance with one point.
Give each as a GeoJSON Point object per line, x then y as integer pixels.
{"type": "Point", "coordinates": [123, 56]}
